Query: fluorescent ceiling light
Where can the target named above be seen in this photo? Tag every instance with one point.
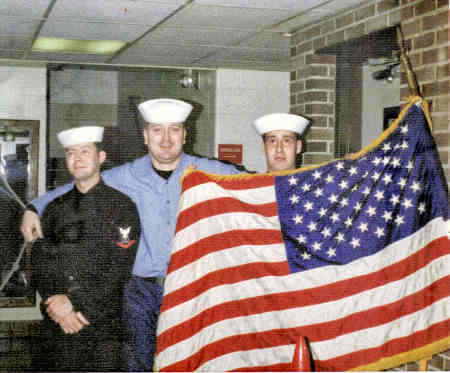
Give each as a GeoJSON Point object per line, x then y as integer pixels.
{"type": "Point", "coordinates": [60, 45]}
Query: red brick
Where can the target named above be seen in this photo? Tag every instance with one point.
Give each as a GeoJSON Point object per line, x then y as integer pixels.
{"type": "Point", "coordinates": [442, 139]}
{"type": "Point", "coordinates": [443, 36]}
{"type": "Point", "coordinates": [425, 74]}
{"type": "Point", "coordinates": [320, 59]}
{"type": "Point", "coordinates": [436, 88]}
{"type": "Point", "coordinates": [411, 28]}
{"type": "Point", "coordinates": [441, 4]}
{"type": "Point", "coordinates": [441, 104]}
{"type": "Point", "coordinates": [443, 71]}
{"type": "Point", "coordinates": [327, 109]}
{"type": "Point", "coordinates": [430, 56]}
{"type": "Point", "coordinates": [440, 122]}
{"type": "Point", "coordinates": [424, 41]}
{"type": "Point", "coordinates": [407, 13]}
{"type": "Point", "coordinates": [387, 5]}
{"type": "Point", "coordinates": [344, 20]}
{"type": "Point", "coordinates": [314, 96]}
{"type": "Point", "coordinates": [425, 6]}
{"type": "Point", "coordinates": [319, 121]}
{"type": "Point", "coordinates": [436, 20]}
{"type": "Point", "coordinates": [363, 13]}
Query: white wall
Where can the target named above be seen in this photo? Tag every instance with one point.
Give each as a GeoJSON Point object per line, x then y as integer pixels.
{"type": "Point", "coordinates": [23, 92]}
{"type": "Point", "coordinates": [241, 97]}
{"type": "Point", "coordinates": [23, 96]}
{"type": "Point", "coordinates": [376, 95]}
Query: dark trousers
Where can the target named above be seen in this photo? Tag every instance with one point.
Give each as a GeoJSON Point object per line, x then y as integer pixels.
{"type": "Point", "coordinates": [88, 350]}
{"type": "Point", "coordinates": [142, 301]}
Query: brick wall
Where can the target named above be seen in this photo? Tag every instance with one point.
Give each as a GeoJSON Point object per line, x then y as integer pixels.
{"type": "Point", "coordinates": [425, 26]}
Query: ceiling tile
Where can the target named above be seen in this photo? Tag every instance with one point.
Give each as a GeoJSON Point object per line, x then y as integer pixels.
{"type": "Point", "coordinates": [24, 8]}
{"type": "Point", "coordinates": [295, 5]}
{"type": "Point", "coordinates": [67, 57]}
{"type": "Point", "coordinates": [17, 25]}
{"type": "Point", "coordinates": [92, 30]}
{"type": "Point", "coordinates": [123, 11]}
{"type": "Point", "coordinates": [227, 17]}
{"type": "Point", "coordinates": [18, 42]}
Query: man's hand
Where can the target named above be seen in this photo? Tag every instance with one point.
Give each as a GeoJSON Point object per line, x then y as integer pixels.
{"type": "Point", "coordinates": [31, 226]}
{"type": "Point", "coordinates": [73, 322]}
{"type": "Point", "coordinates": [58, 307]}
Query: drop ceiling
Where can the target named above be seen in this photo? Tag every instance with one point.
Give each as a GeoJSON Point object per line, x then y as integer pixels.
{"type": "Point", "coordinates": [164, 33]}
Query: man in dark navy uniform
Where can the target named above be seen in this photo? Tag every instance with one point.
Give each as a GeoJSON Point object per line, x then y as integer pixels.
{"type": "Point", "coordinates": [80, 268]}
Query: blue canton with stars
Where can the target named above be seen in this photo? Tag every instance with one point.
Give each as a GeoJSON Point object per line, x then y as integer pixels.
{"type": "Point", "coordinates": [348, 209]}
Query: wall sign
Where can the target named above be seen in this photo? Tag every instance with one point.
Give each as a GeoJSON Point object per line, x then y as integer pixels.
{"type": "Point", "coordinates": [231, 153]}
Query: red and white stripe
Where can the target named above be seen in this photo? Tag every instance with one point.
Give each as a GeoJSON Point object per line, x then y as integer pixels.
{"type": "Point", "coordinates": [231, 302]}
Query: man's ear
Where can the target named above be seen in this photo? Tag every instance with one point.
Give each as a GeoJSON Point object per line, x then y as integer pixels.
{"type": "Point", "coordinates": [184, 135]}
{"type": "Point", "coordinates": [102, 156]}
{"type": "Point", "coordinates": [299, 146]}
{"type": "Point", "coordinates": [145, 137]}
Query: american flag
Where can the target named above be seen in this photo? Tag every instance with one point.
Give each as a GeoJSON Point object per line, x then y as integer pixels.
{"type": "Point", "coordinates": [353, 255]}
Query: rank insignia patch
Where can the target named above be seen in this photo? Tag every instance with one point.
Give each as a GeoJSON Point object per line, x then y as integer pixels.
{"type": "Point", "coordinates": [124, 234]}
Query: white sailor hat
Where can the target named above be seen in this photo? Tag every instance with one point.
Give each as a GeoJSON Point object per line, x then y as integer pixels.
{"type": "Point", "coordinates": [80, 135]}
{"type": "Point", "coordinates": [165, 110]}
{"type": "Point", "coordinates": [280, 121]}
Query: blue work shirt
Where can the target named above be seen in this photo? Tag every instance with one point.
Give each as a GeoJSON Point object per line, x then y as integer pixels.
{"type": "Point", "coordinates": [156, 200]}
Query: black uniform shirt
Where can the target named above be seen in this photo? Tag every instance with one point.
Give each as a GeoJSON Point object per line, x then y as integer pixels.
{"type": "Point", "coordinates": [88, 251]}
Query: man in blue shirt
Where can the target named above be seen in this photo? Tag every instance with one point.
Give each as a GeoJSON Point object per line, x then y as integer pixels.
{"type": "Point", "coordinates": [153, 183]}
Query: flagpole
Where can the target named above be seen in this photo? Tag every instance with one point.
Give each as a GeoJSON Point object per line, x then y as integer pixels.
{"type": "Point", "coordinates": [411, 76]}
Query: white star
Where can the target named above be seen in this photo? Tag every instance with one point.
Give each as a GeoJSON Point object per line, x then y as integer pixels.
{"type": "Point", "coordinates": [343, 184]}
{"type": "Point", "coordinates": [386, 160]}
{"type": "Point", "coordinates": [353, 171]}
{"type": "Point", "coordinates": [340, 237]}
{"type": "Point", "coordinates": [358, 206]}
{"type": "Point", "coordinates": [331, 252]}
{"type": "Point", "coordinates": [416, 186]}
{"type": "Point", "coordinates": [379, 195]}
{"type": "Point", "coordinates": [333, 198]}
{"type": "Point", "coordinates": [312, 226]}
{"type": "Point", "coordinates": [365, 174]}
{"type": "Point", "coordinates": [318, 192]}
{"type": "Point", "coordinates": [387, 216]}
{"type": "Point", "coordinates": [397, 146]}
{"type": "Point", "coordinates": [404, 129]}
{"type": "Point", "coordinates": [421, 207]}
{"type": "Point", "coordinates": [387, 178]}
{"type": "Point", "coordinates": [306, 187]}
{"type": "Point", "coordinates": [348, 222]}
{"type": "Point", "coordinates": [379, 232]}
{"type": "Point", "coordinates": [410, 166]}
{"type": "Point", "coordinates": [339, 165]}
{"type": "Point", "coordinates": [366, 191]}
{"type": "Point", "coordinates": [297, 219]}
{"type": "Point", "coordinates": [355, 188]}
{"type": "Point", "coordinates": [294, 199]}
{"type": "Point", "coordinates": [355, 243]}
{"type": "Point", "coordinates": [344, 202]}
{"type": "Point", "coordinates": [387, 147]}
{"type": "Point", "coordinates": [376, 161]}
{"type": "Point", "coordinates": [371, 211]}
{"type": "Point", "coordinates": [407, 203]}
{"type": "Point", "coordinates": [301, 239]}
{"type": "Point", "coordinates": [292, 180]}
{"type": "Point", "coordinates": [306, 256]}
{"type": "Point", "coordinates": [402, 182]}
{"type": "Point", "coordinates": [399, 220]}
{"type": "Point", "coordinates": [375, 176]}
{"type": "Point", "coordinates": [316, 175]}
{"type": "Point", "coordinates": [326, 232]}
{"type": "Point", "coordinates": [395, 162]}
{"type": "Point", "coordinates": [317, 246]}
{"type": "Point", "coordinates": [308, 206]}
{"type": "Point", "coordinates": [329, 179]}
{"type": "Point", "coordinates": [404, 145]}
{"type": "Point", "coordinates": [395, 199]}
{"type": "Point", "coordinates": [322, 212]}
{"type": "Point", "coordinates": [335, 217]}
{"type": "Point", "coordinates": [363, 227]}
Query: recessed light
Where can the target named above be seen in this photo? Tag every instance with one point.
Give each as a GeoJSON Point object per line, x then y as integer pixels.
{"type": "Point", "coordinates": [60, 45]}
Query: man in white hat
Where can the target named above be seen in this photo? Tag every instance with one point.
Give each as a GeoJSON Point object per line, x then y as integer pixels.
{"type": "Point", "coordinates": [153, 183]}
{"type": "Point", "coordinates": [282, 137]}
{"type": "Point", "coordinates": [81, 266]}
